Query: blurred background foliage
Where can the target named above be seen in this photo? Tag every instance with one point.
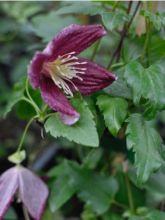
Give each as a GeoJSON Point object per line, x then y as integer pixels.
{"type": "Point", "coordinates": [101, 187]}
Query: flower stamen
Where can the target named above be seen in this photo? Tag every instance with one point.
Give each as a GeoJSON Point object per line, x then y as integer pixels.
{"type": "Point", "coordinates": [63, 70]}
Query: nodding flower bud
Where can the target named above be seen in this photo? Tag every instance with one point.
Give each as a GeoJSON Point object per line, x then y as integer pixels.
{"type": "Point", "coordinates": [30, 190]}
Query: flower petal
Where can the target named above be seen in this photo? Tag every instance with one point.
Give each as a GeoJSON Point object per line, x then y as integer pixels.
{"type": "Point", "coordinates": [35, 68]}
{"type": "Point", "coordinates": [57, 101]}
{"type": "Point", "coordinates": [8, 187]}
{"type": "Point", "coordinates": [74, 38]}
{"type": "Point", "coordinates": [94, 79]}
{"type": "Point", "coordinates": [33, 192]}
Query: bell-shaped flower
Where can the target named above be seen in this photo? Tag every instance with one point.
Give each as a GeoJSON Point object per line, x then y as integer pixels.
{"type": "Point", "coordinates": [58, 72]}
{"type": "Point", "coordinates": [27, 187]}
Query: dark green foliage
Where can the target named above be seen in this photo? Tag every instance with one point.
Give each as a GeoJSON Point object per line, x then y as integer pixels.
{"type": "Point", "coordinates": [110, 164]}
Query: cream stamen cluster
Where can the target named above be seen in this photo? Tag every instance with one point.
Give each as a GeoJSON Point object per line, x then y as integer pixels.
{"type": "Point", "coordinates": [63, 70]}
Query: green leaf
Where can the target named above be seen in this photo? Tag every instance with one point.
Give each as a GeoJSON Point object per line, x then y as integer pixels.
{"type": "Point", "coordinates": [113, 20]}
{"type": "Point", "coordinates": [114, 111]}
{"type": "Point", "coordinates": [10, 214]}
{"type": "Point", "coordinates": [148, 84]}
{"type": "Point", "coordinates": [156, 214]}
{"type": "Point", "coordinates": [83, 8]}
{"type": "Point", "coordinates": [155, 187]}
{"type": "Point", "coordinates": [19, 11]}
{"type": "Point", "coordinates": [111, 216]}
{"type": "Point", "coordinates": [151, 215]}
{"type": "Point", "coordinates": [88, 214]}
{"type": "Point", "coordinates": [92, 158]}
{"type": "Point", "coordinates": [83, 132]}
{"type": "Point", "coordinates": [119, 88]}
{"type": "Point", "coordinates": [61, 191]}
{"type": "Point", "coordinates": [156, 49]}
{"type": "Point", "coordinates": [132, 49]}
{"type": "Point", "coordinates": [144, 140]}
{"type": "Point", "coordinates": [45, 26]}
{"type": "Point", "coordinates": [95, 190]}
{"type": "Point", "coordinates": [157, 19]}
{"type": "Point", "coordinates": [16, 96]}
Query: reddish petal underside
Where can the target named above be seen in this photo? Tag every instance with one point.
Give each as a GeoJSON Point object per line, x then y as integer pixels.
{"type": "Point", "coordinates": [35, 68]}
{"type": "Point", "coordinates": [8, 187]}
{"type": "Point", "coordinates": [55, 98]}
{"type": "Point", "coordinates": [33, 192]}
{"type": "Point", "coordinates": [94, 79]}
{"type": "Point", "coordinates": [74, 38]}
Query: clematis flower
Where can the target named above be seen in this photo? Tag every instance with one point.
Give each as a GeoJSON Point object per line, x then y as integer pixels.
{"type": "Point", "coordinates": [59, 73]}
{"type": "Point", "coordinates": [27, 187]}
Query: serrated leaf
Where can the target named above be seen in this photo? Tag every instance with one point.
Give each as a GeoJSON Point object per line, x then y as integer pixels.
{"type": "Point", "coordinates": [156, 49]}
{"type": "Point", "coordinates": [132, 49]}
{"type": "Point", "coordinates": [16, 96]}
{"type": "Point", "coordinates": [119, 88]}
{"type": "Point", "coordinates": [157, 19]}
{"type": "Point", "coordinates": [61, 192]}
{"type": "Point", "coordinates": [114, 19]}
{"type": "Point", "coordinates": [148, 84]}
{"type": "Point", "coordinates": [114, 111]}
{"type": "Point", "coordinates": [95, 190]}
{"type": "Point", "coordinates": [83, 132]}
{"type": "Point", "coordinates": [88, 185]}
{"type": "Point", "coordinates": [144, 140]}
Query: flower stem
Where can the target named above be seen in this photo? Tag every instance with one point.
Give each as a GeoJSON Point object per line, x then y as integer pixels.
{"type": "Point", "coordinates": [25, 212]}
{"type": "Point", "coordinates": [95, 50]}
{"type": "Point", "coordinates": [117, 51]}
{"type": "Point", "coordinates": [32, 104]}
{"type": "Point", "coordinates": [30, 98]}
{"type": "Point", "coordinates": [24, 133]}
{"type": "Point", "coordinates": [147, 40]}
{"type": "Point", "coordinates": [49, 115]}
{"type": "Point", "coordinates": [129, 192]}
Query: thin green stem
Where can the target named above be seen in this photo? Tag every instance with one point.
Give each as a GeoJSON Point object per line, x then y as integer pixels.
{"type": "Point", "coordinates": [129, 192]}
{"type": "Point", "coordinates": [25, 212]}
{"type": "Point", "coordinates": [45, 108]}
{"type": "Point", "coordinates": [32, 104]}
{"type": "Point", "coordinates": [29, 96]}
{"type": "Point", "coordinates": [119, 204]}
{"type": "Point", "coordinates": [146, 43]}
{"type": "Point", "coordinates": [95, 50]}
{"type": "Point", "coordinates": [24, 133]}
{"type": "Point", "coordinates": [49, 115]}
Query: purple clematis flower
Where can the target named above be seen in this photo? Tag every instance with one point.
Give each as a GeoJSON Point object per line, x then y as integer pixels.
{"type": "Point", "coordinates": [58, 72]}
{"type": "Point", "coordinates": [28, 187]}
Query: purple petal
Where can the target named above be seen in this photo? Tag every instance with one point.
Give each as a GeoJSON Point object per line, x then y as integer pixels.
{"type": "Point", "coordinates": [74, 38]}
{"type": "Point", "coordinates": [8, 187]}
{"type": "Point", "coordinates": [35, 68]}
{"type": "Point", "coordinates": [33, 192]}
{"type": "Point", "coordinates": [54, 97]}
{"type": "Point", "coordinates": [94, 79]}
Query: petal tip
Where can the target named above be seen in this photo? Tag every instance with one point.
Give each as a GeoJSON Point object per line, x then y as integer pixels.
{"type": "Point", "coordinates": [70, 120]}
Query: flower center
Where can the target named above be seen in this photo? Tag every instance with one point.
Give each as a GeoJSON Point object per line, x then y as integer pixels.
{"type": "Point", "coordinates": [63, 70]}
